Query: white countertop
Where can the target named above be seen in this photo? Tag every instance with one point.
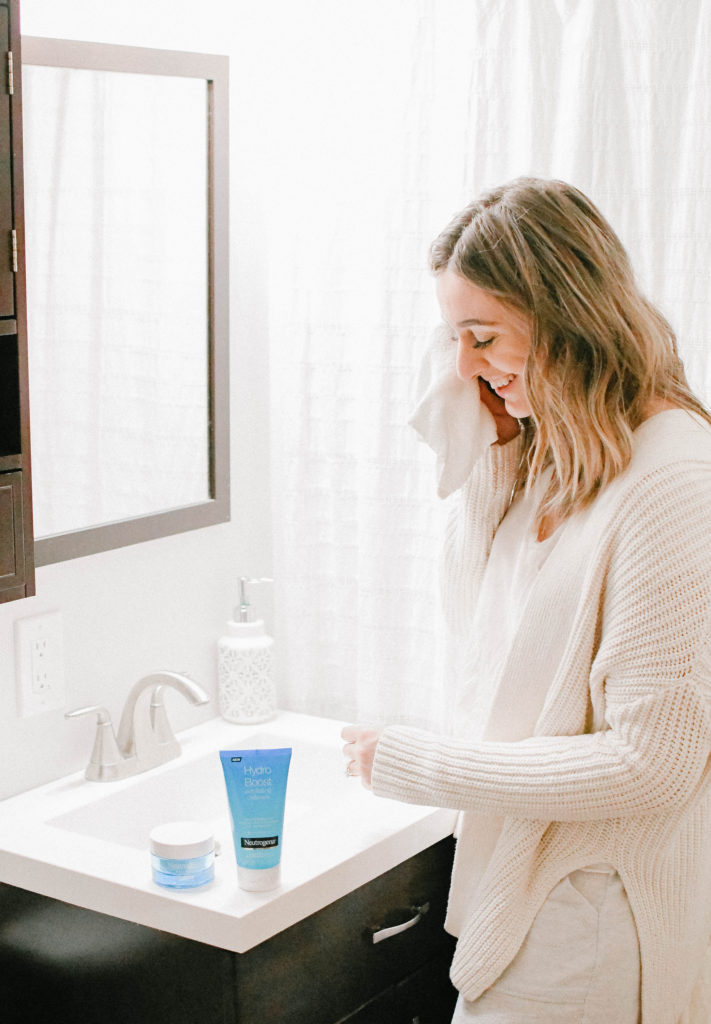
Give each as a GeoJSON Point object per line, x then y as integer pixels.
{"type": "Point", "coordinates": [337, 836]}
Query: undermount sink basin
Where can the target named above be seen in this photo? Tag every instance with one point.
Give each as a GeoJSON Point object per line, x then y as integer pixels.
{"type": "Point", "coordinates": [87, 843]}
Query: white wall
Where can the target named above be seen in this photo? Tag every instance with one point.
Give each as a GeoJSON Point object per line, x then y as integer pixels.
{"type": "Point", "coordinates": [161, 604]}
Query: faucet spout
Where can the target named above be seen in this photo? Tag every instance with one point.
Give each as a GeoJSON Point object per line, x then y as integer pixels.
{"type": "Point", "coordinates": [148, 736]}
{"type": "Point", "coordinates": [183, 684]}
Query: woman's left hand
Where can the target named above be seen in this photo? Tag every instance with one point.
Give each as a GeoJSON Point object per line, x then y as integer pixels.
{"type": "Point", "coordinates": [359, 751]}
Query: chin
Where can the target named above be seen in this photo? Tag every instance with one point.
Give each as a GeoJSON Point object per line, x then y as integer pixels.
{"type": "Point", "coordinates": [518, 408]}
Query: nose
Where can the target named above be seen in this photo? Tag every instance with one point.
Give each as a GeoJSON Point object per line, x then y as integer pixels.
{"type": "Point", "coordinates": [471, 362]}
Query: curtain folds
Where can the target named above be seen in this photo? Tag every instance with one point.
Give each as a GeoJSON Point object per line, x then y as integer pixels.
{"type": "Point", "coordinates": [387, 120]}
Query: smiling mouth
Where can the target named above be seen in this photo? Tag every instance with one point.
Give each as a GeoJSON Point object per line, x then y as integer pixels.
{"type": "Point", "coordinates": [499, 383]}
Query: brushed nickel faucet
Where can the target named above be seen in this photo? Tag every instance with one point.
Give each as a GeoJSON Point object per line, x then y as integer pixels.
{"type": "Point", "coordinates": [145, 738]}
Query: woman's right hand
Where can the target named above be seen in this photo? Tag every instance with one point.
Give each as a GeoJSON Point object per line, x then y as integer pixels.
{"type": "Point", "coordinates": [359, 751]}
{"type": "Point", "coordinates": [507, 426]}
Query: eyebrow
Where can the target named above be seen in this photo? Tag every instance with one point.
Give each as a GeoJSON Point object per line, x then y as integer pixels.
{"type": "Point", "coordinates": [476, 323]}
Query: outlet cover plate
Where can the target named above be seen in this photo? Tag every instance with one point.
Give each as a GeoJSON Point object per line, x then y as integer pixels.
{"type": "Point", "coordinates": [39, 657]}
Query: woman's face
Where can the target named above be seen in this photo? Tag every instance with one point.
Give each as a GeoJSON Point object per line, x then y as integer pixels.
{"type": "Point", "coordinates": [493, 340]}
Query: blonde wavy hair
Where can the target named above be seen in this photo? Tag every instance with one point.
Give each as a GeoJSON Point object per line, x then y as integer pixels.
{"type": "Point", "coordinates": [600, 351]}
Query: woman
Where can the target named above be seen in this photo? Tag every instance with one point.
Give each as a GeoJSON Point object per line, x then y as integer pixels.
{"type": "Point", "coordinates": [578, 565]}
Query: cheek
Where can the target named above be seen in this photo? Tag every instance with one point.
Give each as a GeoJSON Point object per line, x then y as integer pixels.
{"type": "Point", "coordinates": [522, 360]}
{"type": "Point", "coordinates": [523, 350]}
{"type": "Point", "coordinates": [513, 359]}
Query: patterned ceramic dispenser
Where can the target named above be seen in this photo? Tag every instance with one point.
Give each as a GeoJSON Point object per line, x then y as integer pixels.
{"type": "Point", "coordinates": [246, 690]}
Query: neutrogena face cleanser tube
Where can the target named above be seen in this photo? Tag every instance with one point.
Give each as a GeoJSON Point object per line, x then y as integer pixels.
{"type": "Point", "coordinates": [256, 791]}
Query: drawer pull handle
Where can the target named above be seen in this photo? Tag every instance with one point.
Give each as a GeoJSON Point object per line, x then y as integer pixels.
{"type": "Point", "coordinates": [387, 933]}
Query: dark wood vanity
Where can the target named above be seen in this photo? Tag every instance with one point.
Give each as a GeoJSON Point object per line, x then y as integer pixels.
{"type": "Point", "coordinates": [69, 965]}
{"type": "Point", "coordinates": [16, 538]}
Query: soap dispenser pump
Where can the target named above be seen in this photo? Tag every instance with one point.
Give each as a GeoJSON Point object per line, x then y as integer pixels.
{"type": "Point", "coordinates": [245, 687]}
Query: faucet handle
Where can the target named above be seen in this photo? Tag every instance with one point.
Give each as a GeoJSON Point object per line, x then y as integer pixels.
{"type": "Point", "coordinates": [106, 762]}
{"type": "Point", "coordinates": [104, 715]}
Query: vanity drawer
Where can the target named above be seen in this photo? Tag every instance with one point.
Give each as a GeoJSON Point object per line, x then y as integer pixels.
{"type": "Point", "coordinates": [323, 968]}
{"type": "Point", "coordinates": [426, 997]}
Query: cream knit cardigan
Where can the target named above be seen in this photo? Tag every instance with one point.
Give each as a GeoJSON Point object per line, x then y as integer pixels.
{"type": "Point", "coordinates": [615, 646]}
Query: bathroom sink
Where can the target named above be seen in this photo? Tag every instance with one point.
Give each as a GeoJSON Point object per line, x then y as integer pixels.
{"type": "Point", "coordinates": [195, 790]}
{"type": "Point", "coordinates": [87, 843]}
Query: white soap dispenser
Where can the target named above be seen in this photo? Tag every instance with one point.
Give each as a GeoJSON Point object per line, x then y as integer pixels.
{"type": "Point", "coordinates": [245, 687]}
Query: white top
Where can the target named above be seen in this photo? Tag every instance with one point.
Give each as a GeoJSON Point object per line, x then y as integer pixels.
{"type": "Point", "coordinates": [514, 563]}
{"type": "Point", "coordinates": [615, 644]}
{"type": "Point", "coordinates": [515, 560]}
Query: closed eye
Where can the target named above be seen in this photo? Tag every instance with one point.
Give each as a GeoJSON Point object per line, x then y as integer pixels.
{"type": "Point", "coordinates": [475, 343]}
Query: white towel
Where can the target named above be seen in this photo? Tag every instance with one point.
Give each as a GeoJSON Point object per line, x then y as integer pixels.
{"type": "Point", "coordinates": [449, 414]}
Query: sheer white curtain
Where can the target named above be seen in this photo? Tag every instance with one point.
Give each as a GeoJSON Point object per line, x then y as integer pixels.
{"type": "Point", "coordinates": [384, 119]}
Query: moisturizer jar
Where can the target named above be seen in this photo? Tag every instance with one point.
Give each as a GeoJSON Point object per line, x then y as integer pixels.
{"type": "Point", "coordinates": [182, 854]}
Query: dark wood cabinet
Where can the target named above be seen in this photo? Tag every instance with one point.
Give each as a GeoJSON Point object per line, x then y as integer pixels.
{"type": "Point", "coordinates": [65, 964]}
{"type": "Point", "coordinates": [328, 966]}
{"type": "Point", "coordinates": [12, 567]}
{"type": "Point", "coordinates": [7, 281]}
{"type": "Point", "coordinates": [16, 537]}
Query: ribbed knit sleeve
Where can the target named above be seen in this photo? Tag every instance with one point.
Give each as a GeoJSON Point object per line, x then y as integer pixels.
{"type": "Point", "coordinates": [652, 665]}
{"type": "Point", "coordinates": [474, 515]}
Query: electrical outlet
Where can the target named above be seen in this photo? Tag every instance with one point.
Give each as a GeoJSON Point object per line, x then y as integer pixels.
{"type": "Point", "coordinates": [40, 663]}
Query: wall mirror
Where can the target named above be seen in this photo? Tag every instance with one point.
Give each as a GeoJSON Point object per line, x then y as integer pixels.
{"type": "Point", "coordinates": [126, 168]}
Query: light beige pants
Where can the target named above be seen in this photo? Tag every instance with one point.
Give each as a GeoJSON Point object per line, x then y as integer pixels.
{"type": "Point", "coordinates": [579, 963]}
